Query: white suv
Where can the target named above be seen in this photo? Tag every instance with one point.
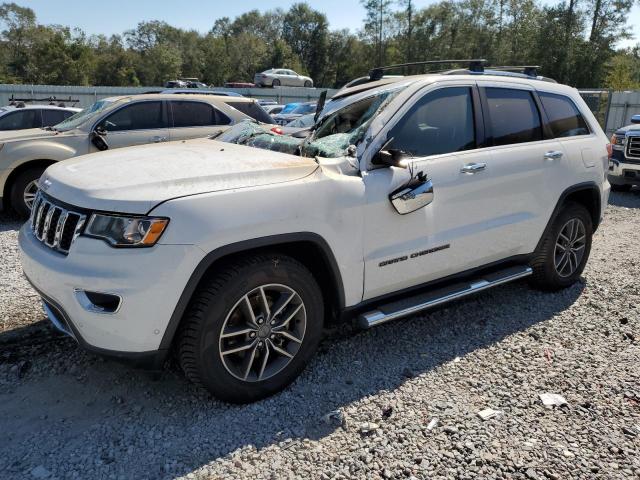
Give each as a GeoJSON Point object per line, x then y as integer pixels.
{"type": "Point", "coordinates": [112, 123]}
{"type": "Point", "coordinates": [235, 253]}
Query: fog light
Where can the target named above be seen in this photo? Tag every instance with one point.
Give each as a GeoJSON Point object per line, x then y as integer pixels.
{"type": "Point", "coordinates": [98, 302]}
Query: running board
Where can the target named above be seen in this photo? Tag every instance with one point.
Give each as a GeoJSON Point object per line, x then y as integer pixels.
{"type": "Point", "coordinates": [411, 305]}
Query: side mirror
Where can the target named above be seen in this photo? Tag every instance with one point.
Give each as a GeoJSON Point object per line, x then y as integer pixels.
{"type": "Point", "coordinates": [635, 119]}
{"type": "Point", "coordinates": [97, 138]}
{"type": "Point", "coordinates": [390, 157]}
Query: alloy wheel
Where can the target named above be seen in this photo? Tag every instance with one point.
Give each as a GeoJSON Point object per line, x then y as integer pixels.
{"type": "Point", "coordinates": [570, 247]}
{"type": "Point", "coordinates": [29, 194]}
{"type": "Point", "coordinates": [263, 332]}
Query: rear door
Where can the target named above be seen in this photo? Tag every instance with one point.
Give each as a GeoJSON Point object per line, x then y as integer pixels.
{"type": "Point", "coordinates": [136, 123]}
{"type": "Point", "coordinates": [528, 166]}
{"type": "Point", "coordinates": [194, 119]}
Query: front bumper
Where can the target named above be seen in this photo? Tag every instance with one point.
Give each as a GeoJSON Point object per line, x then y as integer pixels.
{"type": "Point", "coordinates": [149, 282]}
{"type": "Point", "coordinates": [623, 173]}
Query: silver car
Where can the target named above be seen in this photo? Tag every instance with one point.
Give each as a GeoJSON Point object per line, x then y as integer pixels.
{"type": "Point", "coordinates": [277, 77]}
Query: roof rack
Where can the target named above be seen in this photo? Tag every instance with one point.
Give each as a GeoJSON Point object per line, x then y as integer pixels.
{"type": "Point", "coordinates": [474, 65]}
{"type": "Point", "coordinates": [529, 70]}
{"type": "Point", "coordinates": [20, 102]}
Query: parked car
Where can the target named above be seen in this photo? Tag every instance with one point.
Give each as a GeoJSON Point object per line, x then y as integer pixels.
{"type": "Point", "coordinates": [624, 166]}
{"type": "Point", "coordinates": [185, 83]}
{"type": "Point", "coordinates": [112, 123]}
{"type": "Point", "coordinates": [289, 107]}
{"type": "Point", "coordinates": [302, 109]}
{"type": "Point", "coordinates": [273, 109]}
{"type": "Point", "coordinates": [235, 253]}
{"type": "Point", "coordinates": [277, 77]}
{"type": "Point", "coordinates": [21, 116]}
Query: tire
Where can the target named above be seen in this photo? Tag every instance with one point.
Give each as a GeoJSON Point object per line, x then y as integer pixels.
{"type": "Point", "coordinates": [308, 84]}
{"type": "Point", "coordinates": [219, 307]}
{"type": "Point", "coordinates": [550, 271]}
{"type": "Point", "coordinates": [276, 83]}
{"type": "Point", "coordinates": [25, 180]}
{"type": "Point", "coordinates": [620, 188]}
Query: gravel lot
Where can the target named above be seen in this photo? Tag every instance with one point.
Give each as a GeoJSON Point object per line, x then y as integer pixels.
{"type": "Point", "coordinates": [67, 414]}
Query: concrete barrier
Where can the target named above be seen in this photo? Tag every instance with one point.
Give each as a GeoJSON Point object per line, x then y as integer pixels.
{"type": "Point", "coordinates": [85, 96]}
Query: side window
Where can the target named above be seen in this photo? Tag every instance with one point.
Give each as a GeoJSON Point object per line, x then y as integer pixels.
{"type": "Point", "coordinates": [513, 116]}
{"type": "Point", "coordinates": [53, 117]}
{"type": "Point", "coordinates": [565, 119]}
{"type": "Point", "coordinates": [29, 118]}
{"type": "Point", "coordinates": [137, 116]}
{"type": "Point", "coordinates": [440, 122]}
{"type": "Point", "coordinates": [253, 110]}
{"type": "Point", "coordinates": [196, 114]}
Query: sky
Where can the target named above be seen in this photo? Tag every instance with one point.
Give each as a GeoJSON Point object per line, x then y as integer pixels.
{"type": "Point", "coordinates": [116, 16]}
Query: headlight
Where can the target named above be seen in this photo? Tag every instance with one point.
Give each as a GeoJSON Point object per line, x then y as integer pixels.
{"type": "Point", "coordinates": [122, 231]}
{"type": "Point", "coordinates": [617, 140]}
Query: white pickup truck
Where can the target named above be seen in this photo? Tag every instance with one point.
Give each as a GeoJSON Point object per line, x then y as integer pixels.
{"type": "Point", "coordinates": [236, 252]}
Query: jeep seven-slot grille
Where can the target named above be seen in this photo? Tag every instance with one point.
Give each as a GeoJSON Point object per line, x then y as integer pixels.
{"type": "Point", "coordinates": [54, 225]}
{"type": "Point", "coordinates": [633, 147]}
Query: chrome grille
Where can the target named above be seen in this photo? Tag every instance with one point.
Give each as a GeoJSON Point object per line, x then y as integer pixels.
{"type": "Point", "coordinates": [633, 147]}
{"type": "Point", "coordinates": [54, 225]}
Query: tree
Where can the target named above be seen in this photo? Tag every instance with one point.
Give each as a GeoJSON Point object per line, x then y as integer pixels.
{"type": "Point", "coordinates": [623, 72]}
{"type": "Point", "coordinates": [377, 24]}
{"type": "Point", "coordinates": [306, 31]}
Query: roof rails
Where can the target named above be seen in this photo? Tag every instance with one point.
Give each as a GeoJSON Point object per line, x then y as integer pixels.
{"type": "Point", "coordinates": [528, 70]}
{"type": "Point", "coordinates": [474, 65]}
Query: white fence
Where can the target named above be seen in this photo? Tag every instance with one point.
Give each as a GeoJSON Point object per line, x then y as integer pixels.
{"type": "Point", "coordinates": [85, 96]}
{"type": "Point", "coordinates": [622, 107]}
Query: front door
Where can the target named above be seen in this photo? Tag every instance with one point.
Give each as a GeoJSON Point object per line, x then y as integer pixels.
{"type": "Point", "coordinates": [138, 123]}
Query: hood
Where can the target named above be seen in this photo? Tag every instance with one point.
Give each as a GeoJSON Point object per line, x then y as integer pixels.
{"type": "Point", "coordinates": [634, 127]}
{"type": "Point", "coordinates": [134, 180]}
{"type": "Point", "coordinates": [27, 134]}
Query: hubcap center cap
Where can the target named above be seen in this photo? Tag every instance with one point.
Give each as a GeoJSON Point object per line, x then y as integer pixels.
{"type": "Point", "coordinates": [264, 331]}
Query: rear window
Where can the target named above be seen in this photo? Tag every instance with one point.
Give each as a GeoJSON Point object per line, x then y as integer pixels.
{"type": "Point", "coordinates": [513, 116]}
{"type": "Point", "coordinates": [196, 114]}
{"type": "Point", "coordinates": [565, 119]}
{"type": "Point", "coordinates": [252, 110]}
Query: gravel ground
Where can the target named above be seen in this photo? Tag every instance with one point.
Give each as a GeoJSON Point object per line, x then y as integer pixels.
{"type": "Point", "coordinates": [399, 401]}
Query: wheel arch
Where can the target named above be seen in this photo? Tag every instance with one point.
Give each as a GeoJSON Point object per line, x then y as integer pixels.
{"type": "Point", "coordinates": [308, 248]}
{"type": "Point", "coordinates": [6, 192]}
{"type": "Point", "coordinates": [586, 194]}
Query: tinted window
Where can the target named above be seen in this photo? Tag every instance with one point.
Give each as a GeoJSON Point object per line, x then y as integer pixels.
{"type": "Point", "coordinates": [513, 115]}
{"type": "Point", "coordinates": [440, 122]}
{"type": "Point", "coordinates": [253, 110]}
{"type": "Point", "coordinates": [565, 119]}
{"type": "Point", "coordinates": [196, 114]}
{"type": "Point", "coordinates": [21, 119]}
{"type": "Point", "coordinates": [138, 116]}
{"type": "Point", "coordinates": [53, 117]}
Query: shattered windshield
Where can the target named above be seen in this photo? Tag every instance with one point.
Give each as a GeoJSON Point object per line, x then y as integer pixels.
{"type": "Point", "coordinates": [330, 138]}
{"type": "Point", "coordinates": [74, 121]}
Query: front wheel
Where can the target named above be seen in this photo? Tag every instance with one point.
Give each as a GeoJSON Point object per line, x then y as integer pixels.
{"type": "Point", "coordinates": [564, 250]}
{"type": "Point", "coordinates": [24, 189]}
{"type": "Point", "coordinates": [251, 328]}
{"type": "Point", "coordinates": [308, 84]}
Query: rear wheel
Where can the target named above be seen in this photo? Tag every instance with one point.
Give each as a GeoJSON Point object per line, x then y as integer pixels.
{"type": "Point", "coordinates": [276, 83]}
{"type": "Point", "coordinates": [252, 328]}
{"type": "Point", "coordinates": [23, 190]}
{"type": "Point", "coordinates": [620, 188]}
{"type": "Point", "coordinates": [564, 250]}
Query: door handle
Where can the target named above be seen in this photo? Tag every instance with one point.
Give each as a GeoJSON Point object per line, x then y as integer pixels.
{"type": "Point", "coordinates": [158, 139]}
{"type": "Point", "coordinates": [553, 155]}
{"type": "Point", "coordinates": [472, 168]}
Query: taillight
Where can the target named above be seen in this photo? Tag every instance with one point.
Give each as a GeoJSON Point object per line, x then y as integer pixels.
{"type": "Point", "coordinates": [609, 150]}
{"type": "Point", "coordinates": [277, 130]}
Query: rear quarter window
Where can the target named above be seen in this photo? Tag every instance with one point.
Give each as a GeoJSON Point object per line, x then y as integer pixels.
{"type": "Point", "coordinates": [565, 120]}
